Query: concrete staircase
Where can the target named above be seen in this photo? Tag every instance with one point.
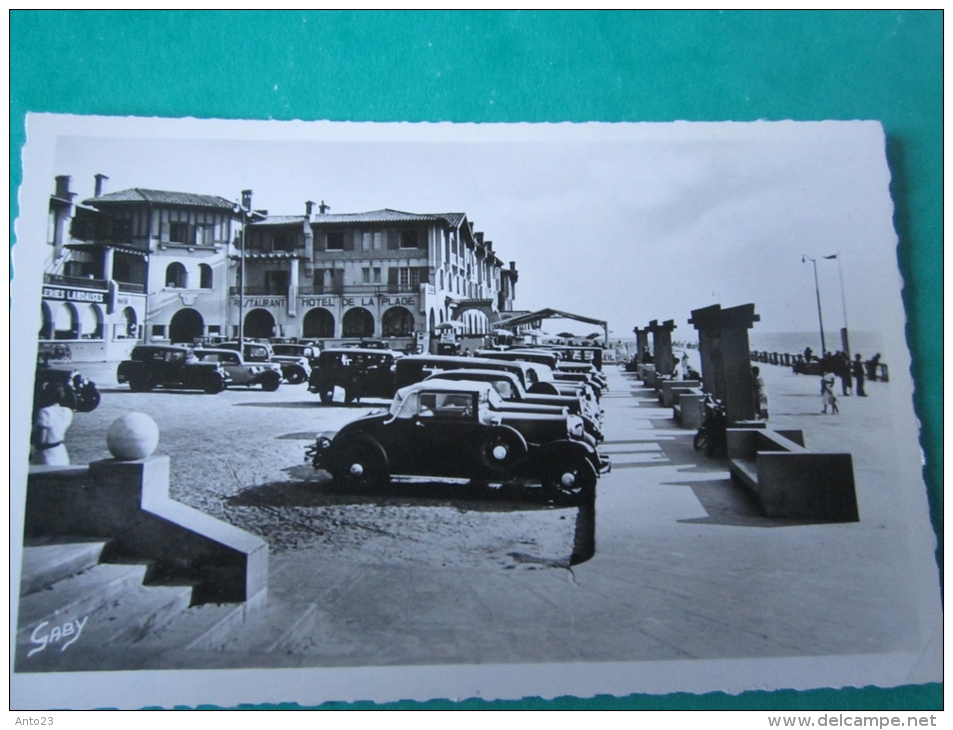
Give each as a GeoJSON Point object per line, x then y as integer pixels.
{"type": "Point", "coordinates": [77, 613]}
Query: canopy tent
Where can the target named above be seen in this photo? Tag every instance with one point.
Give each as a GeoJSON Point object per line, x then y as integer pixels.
{"type": "Point", "coordinates": [513, 322]}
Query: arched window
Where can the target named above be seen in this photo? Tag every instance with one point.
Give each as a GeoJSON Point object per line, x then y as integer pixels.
{"type": "Point", "coordinates": [259, 323]}
{"type": "Point", "coordinates": [358, 322]}
{"type": "Point", "coordinates": [318, 323]}
{"type": "Point", "coordinates": [46, 329]}
{"type": "Point", "coordinates": [397, 322]}
{"type": "Point", "coordinates": [91, 326]}
{"type": "Point", "coordinates": [65, 322]}
{"type": "Point", "coordinates": [176, 277]}
{"type": "Point", "coordinates": [132, 323]}
{"type": "Point", "coordinates": [205, 274]}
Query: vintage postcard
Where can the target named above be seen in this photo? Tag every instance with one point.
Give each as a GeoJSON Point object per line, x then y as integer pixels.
{"type": "Point", "coordinates": [307, 412]}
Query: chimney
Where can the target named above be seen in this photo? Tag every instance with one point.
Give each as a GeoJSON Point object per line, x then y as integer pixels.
{"type": "Point", "coordinates": [100, 185]}
{"type": "Point", "coordinates": [62, 187]}
{"type": "Point", "coordinates": [246, 199]}
{"type": "Point", "coordinates": [308, 207]}
{"type": "Point", "coordinates": [512, 266]}
{"type": "Point", "coordinates": [322, 209]}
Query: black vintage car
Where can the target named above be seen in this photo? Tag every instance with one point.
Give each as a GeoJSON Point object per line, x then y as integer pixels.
{"type": "Point", "coordinates": [239, 371]}
{"type": "Point", "coordinates": [295, 368]}
{"type": "Point", "coordinates": [445, 429]}
{"type": "Point", "coordinates": [357, 372]}
{"type": "Point", "coordinates": [80, 392]}
{"type": "Point", "coordinates": [170, 366]}
{"type": "Point", "coordinates": [513, 394]}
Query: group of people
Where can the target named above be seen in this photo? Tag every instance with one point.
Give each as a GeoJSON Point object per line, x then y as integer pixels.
{"type": "Point", "coordinates": [852, 374]}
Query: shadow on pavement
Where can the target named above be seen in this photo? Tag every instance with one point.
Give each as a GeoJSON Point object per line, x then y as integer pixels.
{"type": "Point", "coordinates": [728, 503]}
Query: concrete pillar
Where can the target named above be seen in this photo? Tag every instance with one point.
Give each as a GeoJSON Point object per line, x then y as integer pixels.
{"type": "Point", "coordinates": [109, 256]}
{"type": "Point", "coordinates": [726, 356]}
{"type": "Point", "coordinates": [293, 288]}
{"type": "Point", "coordinates": [662, 345]}
{"type": "Point", "coordinates": [641, 341]}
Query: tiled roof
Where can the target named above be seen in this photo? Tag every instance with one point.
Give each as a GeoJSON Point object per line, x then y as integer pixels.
{"type": "Point", "coordinates": [385, 215]}
{"type": "Point", "coordinates": [162, 197]}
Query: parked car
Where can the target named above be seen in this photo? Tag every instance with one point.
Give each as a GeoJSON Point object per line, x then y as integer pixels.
{"type": "Point", "coordinates": [294, 369]}
{"type": "Point", "coordinates": [295, 360]}
{"type": "Point", "coordinates": [170, 366]}
{"type": "Point", "coordinates": [81, 393]}
{"type": "Point", "coordinates": [537, 379]}
{"type": "Point", "coordinates": [551, 361]}
{"type": "Point", "coordinates": [359, 373]}
{"type": "Point", "coordinates": [513, 394]}
{"type": "Point", "coordinates": [446, 429]}
{"type": "Point", "coordinates": [266, 374]}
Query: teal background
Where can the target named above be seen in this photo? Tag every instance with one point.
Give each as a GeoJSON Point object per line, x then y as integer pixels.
{"type": "Point", "coordinates": [542, 67]}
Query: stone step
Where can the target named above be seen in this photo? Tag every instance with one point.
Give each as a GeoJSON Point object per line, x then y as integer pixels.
{"type": "Point", "coordinates": [78, 596]}
{"type": "Point", "coordinates": [121, 621]}
{"type": "Point", "coordinates": [49, 561]}
{"type": "Point", "coordinates": [209, 626]}
{"type": "Point", "coordinates": [279, 627]}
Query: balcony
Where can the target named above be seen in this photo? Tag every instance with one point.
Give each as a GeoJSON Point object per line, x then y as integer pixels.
{"type": "Point", "coordinates": [259, 291]}
{"type": "Point", "coordinates": [75, 281]}
{"type": "Point", "coordinates": [358, 289]}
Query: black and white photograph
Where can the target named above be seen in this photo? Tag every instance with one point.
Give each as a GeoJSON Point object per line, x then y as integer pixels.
{"type": "Point", "coordinates": [360, 411]}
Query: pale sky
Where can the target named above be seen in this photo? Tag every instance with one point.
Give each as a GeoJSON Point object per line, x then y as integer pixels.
{"type": "Point", "coordinates": [626, 223]}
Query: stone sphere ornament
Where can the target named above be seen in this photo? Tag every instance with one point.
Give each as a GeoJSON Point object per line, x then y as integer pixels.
{"type": "Point", "coordinates": [132, 436]}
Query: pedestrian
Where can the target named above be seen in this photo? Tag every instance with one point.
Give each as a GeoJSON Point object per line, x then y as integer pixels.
{"type": "Point", "coordinates": [859, 375]}
{"type": "Point", "coordinates": [759, 395]}
{"type": "Point", "coordinates": [872, 365]}
{"type": "Point", "coordinates": [50, 423]}
{"type": "Point", "coordinates": [685, 366]}
{"type": "Point", "coordinates": [843, 372]}
{"type": "Point", "coordinates": [828, 399]}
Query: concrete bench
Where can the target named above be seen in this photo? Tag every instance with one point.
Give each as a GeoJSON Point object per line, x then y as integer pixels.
{"type": "Point", "coordinates": [688, 408]}
{"type": "Point", "coordinates": [647, 374]}
{"type": "Point", "coordinates": [670, 388]}
{"type": "Point", "coordinates": [789, 480]}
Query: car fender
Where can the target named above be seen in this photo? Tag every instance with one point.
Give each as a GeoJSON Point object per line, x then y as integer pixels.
{"type": "Point", "coordinates": [562, 447]}
{"type": "Point", "coordinates": [347, 439]}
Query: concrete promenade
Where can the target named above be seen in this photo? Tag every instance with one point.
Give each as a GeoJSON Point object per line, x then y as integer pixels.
{"type": "Point", "coordinates": [684, 568]}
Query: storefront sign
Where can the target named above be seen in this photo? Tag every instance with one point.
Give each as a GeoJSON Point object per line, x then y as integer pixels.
{"type": "Point", "coordinates": [74, 295]}
{"type": "Point", "coordinates": [380, 300]}
{"type": "Point", "coordinates": [278, 302]}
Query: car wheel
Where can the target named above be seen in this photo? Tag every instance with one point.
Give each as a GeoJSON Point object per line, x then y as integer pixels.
{"type": "Point", "coordinates": [140, 384]}
{"type": "Point", "coordinates": [296, 376]}
{"type": "Point", "coordinates": [570, 478]}
{"type": "Point", "coordinates": [542, 388]}
{"type": "Point", "coordinates": [271, 382]}
{"type": "Point", "coordinates": [501, 449]}
{"type": "Point", "coordinates": [700, 442]}
{"type": "Point", "coordinates": [214, 384]}
{"type": "Point", "coordinates": [327, 396]}
{"type": "Point", "coordinates": [88, 400]}
{"type": "Point", "coordinates": [359, 466]}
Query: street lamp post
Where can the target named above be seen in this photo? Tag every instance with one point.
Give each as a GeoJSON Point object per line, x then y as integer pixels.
{"type": "Point", "coordinates": [845, 341]}
{"type": "Point", "coordinates": [817, 291]}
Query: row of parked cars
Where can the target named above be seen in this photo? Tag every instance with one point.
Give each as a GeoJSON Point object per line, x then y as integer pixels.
{"type": "Point", "coordinates": [216, 367]}
{"type": "Point", "coordinates": [499, 416]}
